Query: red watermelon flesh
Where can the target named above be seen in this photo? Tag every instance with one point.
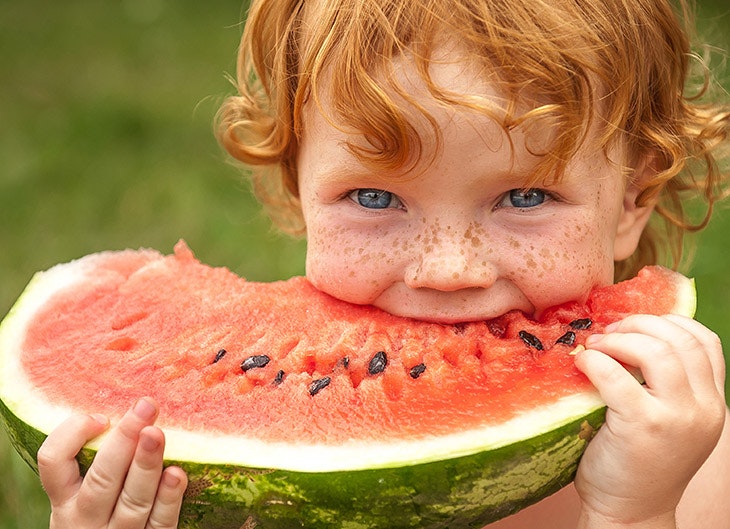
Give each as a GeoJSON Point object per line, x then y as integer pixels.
{"type": "Point", "coordinates": [283, 361]}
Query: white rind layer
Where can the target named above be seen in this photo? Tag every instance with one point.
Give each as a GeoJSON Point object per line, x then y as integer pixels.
{"type": "Point", "coordinates": [686, 304]}
{"type": "Point", "coordinates": [188, 446]}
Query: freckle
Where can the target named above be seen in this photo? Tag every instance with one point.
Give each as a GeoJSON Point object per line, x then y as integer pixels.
{"type": "Point", "coordinates": [476, 242]}
{"type": "Point", "coordinates": [455, 275]}
{"type": "Point", "coordinates": [531, 263]}
{"type": "Point", "coordinates": [428, 248]}
{"type": "Point", "coordinates": [352, 273]}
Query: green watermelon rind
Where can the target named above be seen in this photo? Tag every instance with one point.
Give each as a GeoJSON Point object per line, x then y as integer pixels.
{"type": "Point", "coordinates": [481, 487]}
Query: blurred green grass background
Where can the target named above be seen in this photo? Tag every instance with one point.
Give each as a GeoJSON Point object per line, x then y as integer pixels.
{"type": "Point", "coordinates": [106, 143]}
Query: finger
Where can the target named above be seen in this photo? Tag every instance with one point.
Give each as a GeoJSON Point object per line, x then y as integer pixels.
{"type": "Point", "coordinates": [669, 353]}
{"type": "Point", "coordinates": [57, 465]}
{"type": "Point", "coordinates": [166, 510]}
{"type": "Point", "coordinates": [661, 369]}
{"type": "Point", "coordinates": [614, 383]}
{"type": "Point", "coordinates": [103, 482]}
{"type": "Point", "coordinates": [710, 342]}
{"type": "Point", "coordinates": [140, 486]}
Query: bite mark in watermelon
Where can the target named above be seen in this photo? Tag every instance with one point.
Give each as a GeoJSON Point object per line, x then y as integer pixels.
{"type": "Point", "coordinates": [289, 408]}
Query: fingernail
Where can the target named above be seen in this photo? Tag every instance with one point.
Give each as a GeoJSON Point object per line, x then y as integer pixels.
{"type": "Point", "coordinates": [150, 444]}
{"type": "Point", "coordinates": [577, 350]}
{"type": "Point", "coordinates": [592, 339]}
{"type": "Point", "coordinates": [171, 480]}
{"type": "Point", "coordinates": [144, 409]}
{"type": "Point", "coordinates": [611, 327]}
{"type": "Point", "coordinates": [98, 417]}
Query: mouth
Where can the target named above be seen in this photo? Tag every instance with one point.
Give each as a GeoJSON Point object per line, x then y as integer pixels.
{"type": "Point", "coordinates": [449, 320]}
{"type": "Point", "coordinates": [450, 308]}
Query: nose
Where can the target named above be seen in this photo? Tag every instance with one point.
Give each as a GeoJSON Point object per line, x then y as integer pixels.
{"type": "Point", "coordinates": [450, 261]}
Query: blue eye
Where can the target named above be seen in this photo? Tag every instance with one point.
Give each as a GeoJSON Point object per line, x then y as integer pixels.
{"type": "Point", "coordinates": [524, 198]}
{"type": "Point", "coordinates": [375, 199]}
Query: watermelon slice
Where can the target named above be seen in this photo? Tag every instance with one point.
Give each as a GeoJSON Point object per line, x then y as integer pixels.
{"type": "Point", "coordinates": [289, 408]}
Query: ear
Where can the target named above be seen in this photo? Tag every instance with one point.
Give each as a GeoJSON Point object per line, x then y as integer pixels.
{"type": "Point", "coordinates": [634, 218]}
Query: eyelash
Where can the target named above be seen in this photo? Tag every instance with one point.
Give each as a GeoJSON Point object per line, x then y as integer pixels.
{"type": "Point", "coordinates": [508, 199]}
{"type": "Point", "coordinates": [359, 198]}
{"type": "Point", "coordinates": [381, 199]}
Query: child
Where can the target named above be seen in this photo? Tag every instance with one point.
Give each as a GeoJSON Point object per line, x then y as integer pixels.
{"type": "Point", "coordinates": [430, 149]}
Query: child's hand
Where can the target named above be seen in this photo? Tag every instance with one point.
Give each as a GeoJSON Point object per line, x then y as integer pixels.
{"type": "Point", "coordinates": [656, 435]}
{"type": "Point", "coordinates": [125, 487]}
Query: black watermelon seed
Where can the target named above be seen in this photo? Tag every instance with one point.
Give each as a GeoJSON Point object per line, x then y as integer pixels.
{"type": "Point", "coordinates": [318, 385]}
{"type": "Point", "coordinates": [568, 338]}
{"type": "Point", "coordinates": [531, 340]}
{"type": "Point", "coordinates": [417, 370]}
{"type": "Point", "coordinates": [496, 328]}
{"type": "Point", "coordinates": [255, 361]}
{"type": "Point", "coordinates": [581, 324]}
{"type": "Point", "coordinates": [344, 362]}
{"type": "Point", "coordinates": [378, 363]}
{"type": "Point", "coordinates": [279, 377]}
{"type": "Point", "coordinates": [220, 354]}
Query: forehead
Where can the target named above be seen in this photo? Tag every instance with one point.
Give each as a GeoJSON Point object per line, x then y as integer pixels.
{"type": "Point", "coordinates": [553, 51]}
{"type": "Point", "coordinates": [428, 102]}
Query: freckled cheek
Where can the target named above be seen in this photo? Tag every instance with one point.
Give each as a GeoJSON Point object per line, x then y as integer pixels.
{"type": "Point", "coordinates": [562, 270]}
{"type": "Point", "coordinates": [348, 267]}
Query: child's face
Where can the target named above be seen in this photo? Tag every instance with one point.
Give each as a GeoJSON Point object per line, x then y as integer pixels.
{"type": "Point", "coordinates": [460, 240]}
